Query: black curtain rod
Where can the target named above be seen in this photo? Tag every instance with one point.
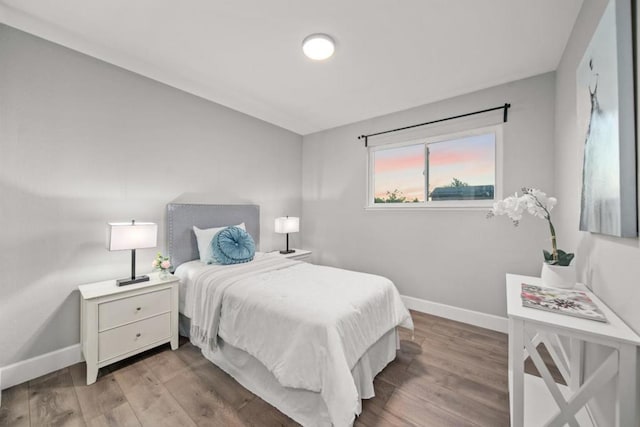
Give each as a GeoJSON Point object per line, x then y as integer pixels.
{"type": "Point", "coordinates": [505, 117]}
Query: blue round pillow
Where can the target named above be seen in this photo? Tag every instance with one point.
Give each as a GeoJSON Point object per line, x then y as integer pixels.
{"type": "Point", "coordinates": [233, 245]}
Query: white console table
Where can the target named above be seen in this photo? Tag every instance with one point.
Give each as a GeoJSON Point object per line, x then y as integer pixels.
{"type": "Point", "coordinates": [528, 327]}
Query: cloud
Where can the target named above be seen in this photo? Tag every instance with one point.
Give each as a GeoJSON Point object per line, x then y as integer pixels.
{"type": "Point", "coordinates": [391, 164]}
{"type": "Point", "coordinates": [468, 155]}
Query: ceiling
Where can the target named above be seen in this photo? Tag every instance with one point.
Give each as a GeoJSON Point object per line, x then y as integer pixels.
{"type": "Point", "coordinates": [246, 54]}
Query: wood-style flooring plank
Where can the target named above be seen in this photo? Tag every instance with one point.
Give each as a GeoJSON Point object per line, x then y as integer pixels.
{"type": "Point", "coordinates": [226, 387]}
{"type": "Point", "coordinates": [421, 376]}
{"type": "Point", "coordinates": [259, 413]}
{"type": "Point", "coordinates": [450, 400]}
{"type": "Point", "coordinates": [422, 324]}
{"type": "Point", "coordinates": [151, 402]}
{"type": "Point", "coordinates": [120, 416]}
{"type": "Point", "coordinates": [459, 345]}
{"type": "Point", "coordinates": [202, 402]}
{"type": "Point", "coordinates": [373, 412]}
{"type": "Point", "coordinates": [15, 406]}
{"type": "Point", "coordinates": [189, 354]}
{"type": "Point", "coordinates": [394, 373]}
{"type": "Point", "coordinates": [463, 357]}
{"type": "Point", "coordinates": [375, 416]}
{"type": "Point", "coordinates": [448, 363]}
{"type": "Point", "coordinates": [100, 397]}
{"type": "Point", "coordinates": [53, 401]}
{"type": "Point", "coordinates": [498, 337]}
{"type": "Point", "coordinates": [166, 365]}
{"type": "Point", "coordinates": [407, 335]}
{"type": "Point", "coordinates": [423, 318]}
{"type": "Point", "coordinates": [420, 412]}
{"type": "Point", "coordinates": [383, 391]}
{"type": "Point", "coordinates": [135, 375]}
{"type": "Point", "coordinates": [472, 337]}
{"type": "Point", "coordinates": [409, 350]}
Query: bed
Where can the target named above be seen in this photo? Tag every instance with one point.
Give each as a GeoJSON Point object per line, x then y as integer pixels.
{"type": "Point", "coordinates": [307, 339]}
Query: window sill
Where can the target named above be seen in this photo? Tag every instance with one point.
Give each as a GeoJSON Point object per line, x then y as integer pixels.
{"type": "Point", "coordinates": [408, 207]}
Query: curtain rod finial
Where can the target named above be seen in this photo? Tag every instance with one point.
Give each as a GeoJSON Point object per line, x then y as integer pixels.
{"type": "Point", "coordinates": [505, 115]}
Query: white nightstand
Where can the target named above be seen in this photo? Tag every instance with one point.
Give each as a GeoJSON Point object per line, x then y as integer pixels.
{"type": "Point", "coordinates": [299, 254]}
{"type": "Point", "coordinates": [118, 322]}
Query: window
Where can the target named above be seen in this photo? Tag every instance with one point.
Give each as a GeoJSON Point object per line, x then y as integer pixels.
{"type": "Point", "coordinates": [459, 170]}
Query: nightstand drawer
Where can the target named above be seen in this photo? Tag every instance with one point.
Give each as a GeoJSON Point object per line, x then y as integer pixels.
{"type": "Point", "coordinates": [122, 340]}
{"type": "Point", "coordinates": [126, 310]}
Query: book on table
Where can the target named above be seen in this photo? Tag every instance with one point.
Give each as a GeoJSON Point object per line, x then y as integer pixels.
{"type": "Point", "coordinates": [563, 301]}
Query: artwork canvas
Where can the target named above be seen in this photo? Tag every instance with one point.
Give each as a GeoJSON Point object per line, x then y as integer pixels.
{"type": "Point", "coordinates": [606, 119]}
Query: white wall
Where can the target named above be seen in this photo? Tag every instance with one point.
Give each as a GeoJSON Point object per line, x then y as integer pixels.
{"type": "Point", "coordinates": [610, 266]}
{"type": "Point", "coordinates": [457, 258]}
{"type": "Point", "coordinates": [82, 143]}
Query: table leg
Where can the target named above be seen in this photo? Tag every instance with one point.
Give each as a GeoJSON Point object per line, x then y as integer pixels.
{"type": "Point", "coordinates": [627, 387]}
{"type": "Point", "coordinates": [516, 371]}
{"type": "Point", "coordinates": [575, 364]}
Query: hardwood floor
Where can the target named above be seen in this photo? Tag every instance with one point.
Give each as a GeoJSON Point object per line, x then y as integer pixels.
{"type": "Point", "coordinates": [448, 374]}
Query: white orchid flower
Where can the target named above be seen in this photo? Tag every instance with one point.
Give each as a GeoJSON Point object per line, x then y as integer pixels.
{"type": "Point", "coordinates": [536, 203]}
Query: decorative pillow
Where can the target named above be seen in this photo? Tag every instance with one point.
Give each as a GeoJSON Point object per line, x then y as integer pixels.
{"type": "Point", "coordinates": [204, 237]}
{"type": "Point", "coordinates": [233, 245]}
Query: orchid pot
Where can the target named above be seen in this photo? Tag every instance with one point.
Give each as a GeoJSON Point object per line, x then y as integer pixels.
{"type": "Point", "coordinates": [558, 276]}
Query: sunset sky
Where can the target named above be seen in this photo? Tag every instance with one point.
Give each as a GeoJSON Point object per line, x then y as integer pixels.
{"type": "Point", "coordinates": [470, 159]}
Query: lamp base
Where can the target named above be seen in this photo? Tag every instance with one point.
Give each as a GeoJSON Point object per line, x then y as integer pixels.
{"type": "Point", "coordinates": [130, 281]}
{"type": "Point", "coordinates": [288, 251]}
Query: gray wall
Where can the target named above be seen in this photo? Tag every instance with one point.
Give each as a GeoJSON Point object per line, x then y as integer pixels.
{"type": "Point", "coordinates": [83, 143]}
{"type": "Point", "coordinates": [610, 266]}
{"type": "Point", "coordinates": [455, 257]}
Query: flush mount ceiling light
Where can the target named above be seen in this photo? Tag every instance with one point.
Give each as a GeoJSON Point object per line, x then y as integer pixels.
{"type": "Point", "coordinates": [318, 46]}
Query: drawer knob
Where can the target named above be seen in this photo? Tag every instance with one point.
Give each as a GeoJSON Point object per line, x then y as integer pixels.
{"type": "Point", "coordinates": [138, 335]}
{"type": "Point", "coordinates": [138, 308]}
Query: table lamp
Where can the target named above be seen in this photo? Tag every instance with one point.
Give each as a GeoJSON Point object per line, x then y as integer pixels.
{"type": "Point", "coordinates": [131, 235]}
{"type": "Point", "coordinates": [286, 225]}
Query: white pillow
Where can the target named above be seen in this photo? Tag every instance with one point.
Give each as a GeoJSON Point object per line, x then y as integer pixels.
{"type": "Point", "coordinates": [204, 237]}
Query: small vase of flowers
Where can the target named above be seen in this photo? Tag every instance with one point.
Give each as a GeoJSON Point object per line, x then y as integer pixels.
{"type": "Point", "coordinates": [162, 264]}
{"type": "Point", "coordinates": [557, 270]}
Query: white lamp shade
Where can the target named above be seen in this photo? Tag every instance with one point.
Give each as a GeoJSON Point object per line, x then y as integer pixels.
{"type": "Point", "coordinates": [287, 224]}
{"type": "Point", "coordinates": [125, 235]}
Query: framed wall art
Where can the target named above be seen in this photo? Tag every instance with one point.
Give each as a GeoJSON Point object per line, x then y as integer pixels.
{"type": "Point", "coordinates": [605, 96]}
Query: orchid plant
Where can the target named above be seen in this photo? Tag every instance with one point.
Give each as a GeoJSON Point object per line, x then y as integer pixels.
{"type": "Point", "coordinates": [161, 263]}
{"type": "Point", "coordinates": [538, 204]}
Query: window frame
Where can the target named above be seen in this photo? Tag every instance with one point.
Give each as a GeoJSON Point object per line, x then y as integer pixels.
{"type": "Point", "coordinates": [497, 130]}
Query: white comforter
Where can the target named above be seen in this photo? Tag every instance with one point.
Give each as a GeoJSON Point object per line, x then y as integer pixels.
{"type": "Point", "coordinates": [308, 324]}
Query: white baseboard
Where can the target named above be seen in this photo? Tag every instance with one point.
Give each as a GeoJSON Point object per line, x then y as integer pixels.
{"type": "Point", "coordinates": [483, 320]}
{"type": "Point", "coordinates": [26, 370]}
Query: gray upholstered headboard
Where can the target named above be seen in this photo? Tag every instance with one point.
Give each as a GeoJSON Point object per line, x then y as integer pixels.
{"type": "Point", "coordinates": [182, 217]}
